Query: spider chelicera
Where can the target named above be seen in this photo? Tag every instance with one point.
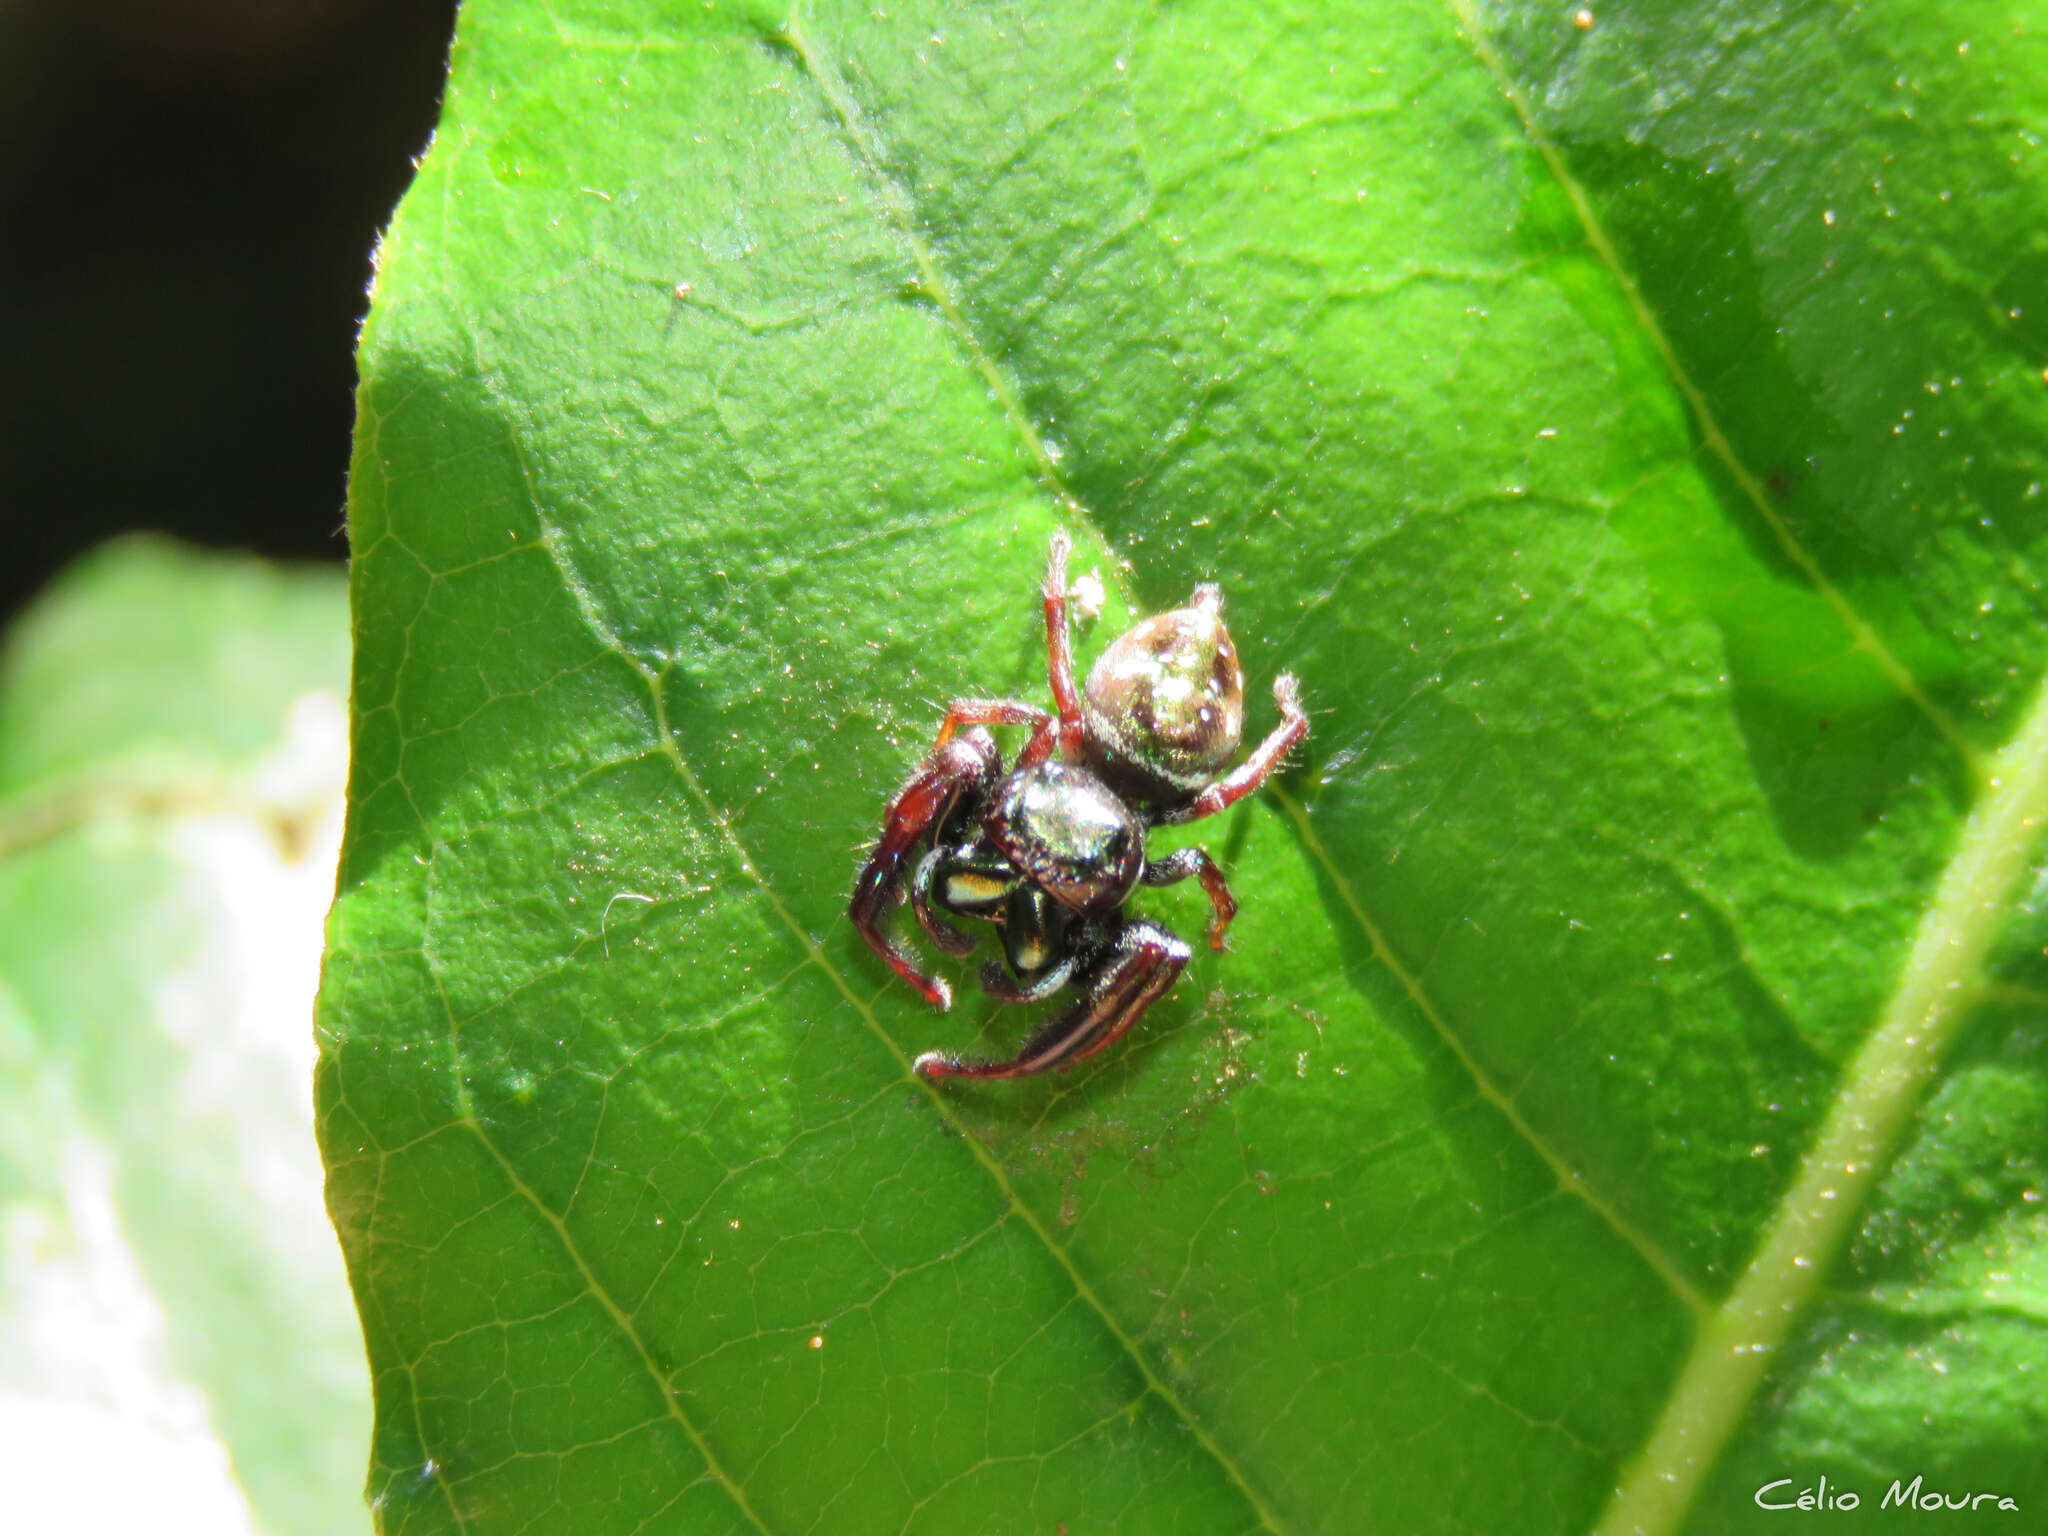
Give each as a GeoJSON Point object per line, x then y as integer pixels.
{"type": "Point", "coordinates": [1051, 849]}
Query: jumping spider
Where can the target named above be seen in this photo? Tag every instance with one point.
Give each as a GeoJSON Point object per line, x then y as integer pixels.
{"type": "Point", "coordinates": [1050, 850]}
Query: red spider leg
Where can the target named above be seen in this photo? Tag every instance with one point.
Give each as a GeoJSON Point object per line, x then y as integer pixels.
{"type": "Point", "coordinates": [959, 767]}
{"type": "Point", "coordinates": [992, 712]}
{"type": "Point", "coordinates": [1144, 963]}
{"type": "Point", "coordinates": [1044, 726]}
{"type": "Point", "coordinates": [1059, 655]}
{"type": "Point", "coordinates": [1293, 727]}
{"type": "Point", "coordinates": [1196, 861]}
{"type": "Point", "coordinates": [1141, 982]}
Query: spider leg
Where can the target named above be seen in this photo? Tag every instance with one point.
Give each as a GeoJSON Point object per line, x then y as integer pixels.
{"type": "Point", "coordinates": [942, 933]}
{"type": "Point", "coordinates": [1293, 727]}
{"type": "Point", "coordinates": [966, 766]}
{"type": "Point", "coordinates": [1138, 968]}
{"type": "Point", "coordinates": [1196, 861]}
{"type": "Point", "coordinates": [996, 982]}
{"type": "Point", "coordinates": [1003, 712]}
{"type": "Point", "coordinates": [1059, 654]}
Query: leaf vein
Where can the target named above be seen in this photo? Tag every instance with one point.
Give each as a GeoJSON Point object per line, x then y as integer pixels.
{"type": "Point", "coordinates": [1864, 636]}
{"type": "Point", "coordinates": [593, 619]}
{"type": "Point", "coordinates": [1939, 984]}
{"type": "Point", "coordinates": [1568, 1178]}
{"type": "Point", "coordinates": [901, 209]}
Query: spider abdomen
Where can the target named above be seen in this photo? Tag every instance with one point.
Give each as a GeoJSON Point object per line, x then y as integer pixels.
{"type": "Point", "coordinates": [1165, 702]}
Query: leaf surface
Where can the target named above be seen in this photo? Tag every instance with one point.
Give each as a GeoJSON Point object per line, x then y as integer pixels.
{"type": "Point", "coordinates": [727, 375]}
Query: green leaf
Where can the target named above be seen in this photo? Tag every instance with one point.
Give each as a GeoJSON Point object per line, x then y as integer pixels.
{"type": "Point", "coordinates": [176, 1341]}
{"type": "Point", "coordinates": [1629, 432]}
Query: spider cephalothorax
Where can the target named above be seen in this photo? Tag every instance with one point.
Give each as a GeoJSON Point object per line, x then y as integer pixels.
{"type": "Point", "coordinates": [1051, 849]}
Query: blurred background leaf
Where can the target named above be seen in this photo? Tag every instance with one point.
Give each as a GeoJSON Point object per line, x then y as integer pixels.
{"type": "Point", "coordinates": [177, 1348]}
{"type": "Point", "coordinates": [1628, 424]}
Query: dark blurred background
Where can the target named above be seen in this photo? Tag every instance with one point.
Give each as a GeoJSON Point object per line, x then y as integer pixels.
{"type": "Point", "coordinates": [189, 193]}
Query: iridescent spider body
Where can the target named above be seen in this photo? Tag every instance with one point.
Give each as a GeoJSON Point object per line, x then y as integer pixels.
{"type": "Point", "coordinates": [1050, 849]}
{"type": "Point", "coordinates": [1163, 709]}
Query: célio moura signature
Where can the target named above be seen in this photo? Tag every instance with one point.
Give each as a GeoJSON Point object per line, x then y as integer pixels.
{"type": "Point", "coordinates": [1901, 1495]}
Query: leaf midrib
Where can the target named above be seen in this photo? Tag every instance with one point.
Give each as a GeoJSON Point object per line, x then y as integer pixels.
{"type": "Point", "coordinates": [1939, 981]}
{"type": "Point", "coordinates": [1938, 987]}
